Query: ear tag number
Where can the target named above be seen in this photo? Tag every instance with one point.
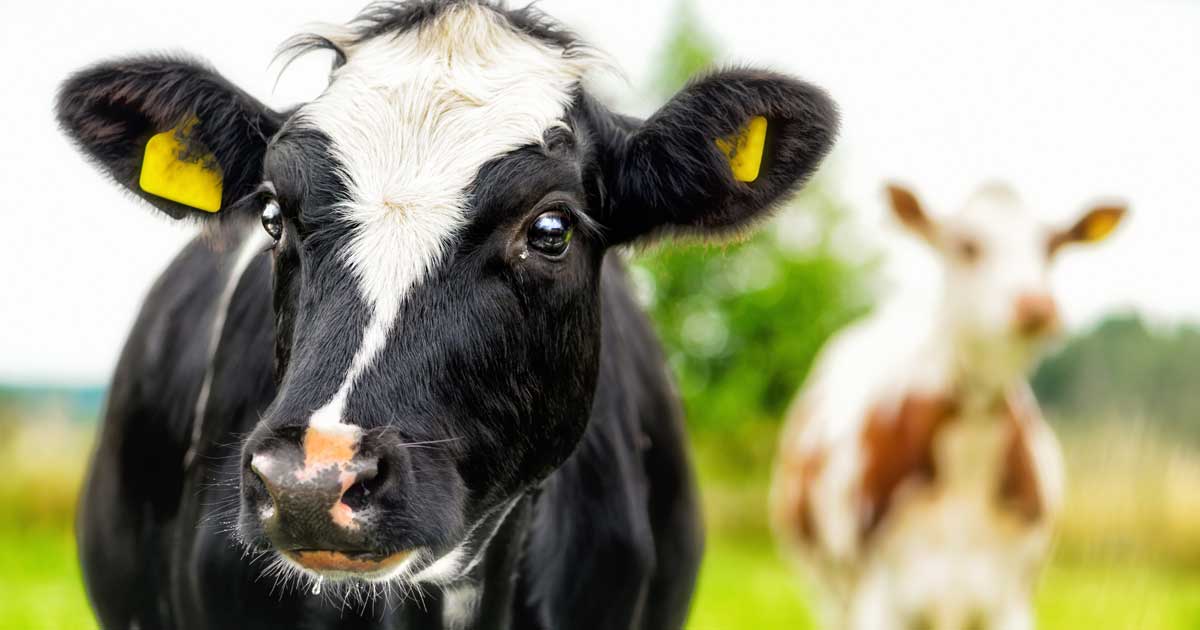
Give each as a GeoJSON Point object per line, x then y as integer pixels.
{"type": "Point", "coordinates": [173, 170]}
{"type": "Point", "coordinates": [745, 149]}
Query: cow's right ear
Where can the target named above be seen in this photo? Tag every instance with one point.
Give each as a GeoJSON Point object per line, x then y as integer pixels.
{"type": "Point", "coordinates": [908, 211]}
{"type": "Point", "coordinates": [173, 131]}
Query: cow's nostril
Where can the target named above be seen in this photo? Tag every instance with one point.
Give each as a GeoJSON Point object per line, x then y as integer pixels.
{"type": "Point", "coordinates": [369, 482]}
{"type": "Point", "coordinates": [260, 467]}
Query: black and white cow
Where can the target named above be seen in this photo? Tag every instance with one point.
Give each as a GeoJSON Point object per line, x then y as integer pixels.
{"type": "Point", "coordinates": [419, 394]}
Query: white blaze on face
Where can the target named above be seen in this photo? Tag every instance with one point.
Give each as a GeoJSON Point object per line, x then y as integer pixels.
{"type": "Point", "coordinates": [412, 118]}
{"type": "Point", "coordinates": [981, 291]}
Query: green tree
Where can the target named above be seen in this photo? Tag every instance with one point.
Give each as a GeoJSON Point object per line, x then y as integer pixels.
{"type": "Point", "coordinates": [1123, 369]}
{"type": "Point", "coordinates": [742, 322]}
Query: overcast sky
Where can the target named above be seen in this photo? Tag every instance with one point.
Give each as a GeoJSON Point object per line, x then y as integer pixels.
{"type": "Point", "coordinates": [1068, 101]}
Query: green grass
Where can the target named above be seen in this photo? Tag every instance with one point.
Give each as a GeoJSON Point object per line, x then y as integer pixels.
{"type": "Point", "coordinates": [743, 584]}
{"type": "Point", "coordinates": [1120, 597]}
{"type": "Point", "coordinates": [1129, 558]}
{"type": "Point", "coordinates": [40, 586]}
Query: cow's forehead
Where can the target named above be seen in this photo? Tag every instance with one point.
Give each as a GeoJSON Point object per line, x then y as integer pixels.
{"type": "Point", "coordinates": [411, 115]}
{"type": "Point", "coordinates": [996, 213]}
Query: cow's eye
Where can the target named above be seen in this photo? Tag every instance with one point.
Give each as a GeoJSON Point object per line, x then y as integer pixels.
{"type": "Point", "coordinates": [272, 219]}
{"type": "Point", "coordinates": [550, 233]}
{"type": "Point", "coordinates": [968, 250]}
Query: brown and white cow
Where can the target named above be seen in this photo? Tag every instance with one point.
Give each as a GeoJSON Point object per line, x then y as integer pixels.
{"type": "Point", "coordinates": [916, 476]}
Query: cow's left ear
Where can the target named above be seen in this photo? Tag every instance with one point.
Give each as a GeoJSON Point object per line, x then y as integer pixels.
{"type": "Point", "coordinates": [719, 155]}
{"type": "Point", "coordinates": [1093, 227]}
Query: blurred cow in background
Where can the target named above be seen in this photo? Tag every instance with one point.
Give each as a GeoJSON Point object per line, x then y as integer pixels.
{"type": "Point", "coordinates": [916, 476]}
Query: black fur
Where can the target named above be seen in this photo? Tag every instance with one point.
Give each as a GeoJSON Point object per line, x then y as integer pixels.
{"type": "Point", "coordinates": [549, 440]}
{"type": "Point", "coordinates": [668, 174]}
{"type": "Point", "coordinates": [111, 109]}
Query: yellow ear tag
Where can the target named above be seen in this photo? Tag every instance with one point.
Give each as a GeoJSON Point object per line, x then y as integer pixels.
{"type": "Point", "coordinates": [1100, 224]}
{"type": "Point", "coordinates": [171, 172]}
{"type": "Point", "coordinates": [745, 149]}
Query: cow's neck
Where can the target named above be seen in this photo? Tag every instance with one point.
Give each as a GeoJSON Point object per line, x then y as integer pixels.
{"type": "Point", "coordinates": [487, 591]}
{"type": "Point", "coordinates": [969, 453]}
{"type": "Point", "coordinates": [969, 456]}
{"type": "Point", "coordinates": [978, 380]}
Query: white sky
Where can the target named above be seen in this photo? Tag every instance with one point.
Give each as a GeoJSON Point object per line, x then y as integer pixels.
{"type": "Point", "coordinates": [1069, 101]}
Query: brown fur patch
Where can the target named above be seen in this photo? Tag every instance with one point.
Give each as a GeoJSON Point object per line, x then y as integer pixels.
{"type": "Point", "coordinates": [1018, 488]}
{"type": "Point", "coordinates": [794, 508]}
{"type": "Point", "coordinates": [898, 446]}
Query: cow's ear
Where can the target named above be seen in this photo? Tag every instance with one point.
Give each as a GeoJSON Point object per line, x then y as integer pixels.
{"type": "Point", "coordinates": [908, 210]}
{"type": "Point", "coordinates": [173, 131]}
{"type": "Point", "coordinates": [1094, 226]}
{"type": "Point", "coordinates": [719, 155]}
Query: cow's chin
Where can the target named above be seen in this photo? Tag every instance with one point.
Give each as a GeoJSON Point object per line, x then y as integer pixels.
{"type": "Point", "coordinates": [405, 568]}
{"type": "Point", "coordinates": [998, 360]}
{"type": "Point", "coordinates": [345, 565]}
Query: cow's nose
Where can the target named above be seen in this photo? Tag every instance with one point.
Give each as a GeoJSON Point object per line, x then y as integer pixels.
{"type": "Point", "coordinates": [319, 491]}
{"type": "Point", "coordinates": [1036, 315]}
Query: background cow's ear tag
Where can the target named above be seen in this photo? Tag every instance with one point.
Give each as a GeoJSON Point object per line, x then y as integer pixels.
{"type": "Point", "coordinates": [1100, 224]}
{"type": "Point", "coordinates": [745, 149]}
{"type": "Point", "coordinates": [173, 170]}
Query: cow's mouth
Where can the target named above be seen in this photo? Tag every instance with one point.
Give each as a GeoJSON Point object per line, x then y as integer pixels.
{"type": "Point", "coordinates": [355, 563]}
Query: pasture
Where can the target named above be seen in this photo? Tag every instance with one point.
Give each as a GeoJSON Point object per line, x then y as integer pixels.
{"type": "Point", "coordinates": [1128, 558]}
{"type": "Point", "coordinates": [743, 320]}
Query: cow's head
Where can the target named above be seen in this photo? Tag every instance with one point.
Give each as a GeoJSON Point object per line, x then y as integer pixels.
{"type": "Point", "coordinates": [439, 215]}
{"type": "Point", "coordinates": [996, 257]}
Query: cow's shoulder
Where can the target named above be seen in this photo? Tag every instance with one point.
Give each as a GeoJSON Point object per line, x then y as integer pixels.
{"type": "Point", "coordinates": [800, 462]}
{"type": "Point", "coordinates": [163, 361]}
{"type": "Point", "coordinates": [897, 443]}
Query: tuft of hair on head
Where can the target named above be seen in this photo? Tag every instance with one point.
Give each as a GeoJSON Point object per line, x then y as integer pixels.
{"type": "Point", "coordinates": [390, 18]}
{"type": "Point", "coordinates": [996, 192]}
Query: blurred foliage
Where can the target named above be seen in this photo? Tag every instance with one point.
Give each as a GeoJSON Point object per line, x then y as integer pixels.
{"type": "Point", "coordinates": [1131, 494]}
{"type": "Point", "coordinates": [742, 322]}
{"type": "Point", "coordinates": [1126, 369]}
{"type": "Point", "coordinates": [687, 50]}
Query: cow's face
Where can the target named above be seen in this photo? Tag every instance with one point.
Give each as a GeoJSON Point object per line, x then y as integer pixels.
{"type": "Point", "coordinates": [438, 218]}
{"type": "Point", "coordinates": [996, 257]}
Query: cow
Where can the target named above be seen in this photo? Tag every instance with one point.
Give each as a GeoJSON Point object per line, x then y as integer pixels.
{"type": "Point", "coordinates": [400, 379]}
{"type": "Point", "coordinates": [916, 479]}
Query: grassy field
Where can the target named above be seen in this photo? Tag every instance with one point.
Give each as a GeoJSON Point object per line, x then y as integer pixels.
{"type": "Point", "coordinates": [39, 579]}
{"type": "Point", "coordinates": [1129, 556]}
{"type": "Point", "coordinates": [743, 585]}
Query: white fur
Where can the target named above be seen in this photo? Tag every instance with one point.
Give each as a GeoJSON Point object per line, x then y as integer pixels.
{"type": "Point", "coordinates": [459, 606]}
{"type": "Point", "coordinates": [945, 549]}
{"type": "Point", "coordinates": [445, 569]}
{"type": "Point", "coordinates": [252, 244]}
{"type": "Point", "coordinates": [412, 119]}
{"type": "Point", "coordinates": [462, 559]}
